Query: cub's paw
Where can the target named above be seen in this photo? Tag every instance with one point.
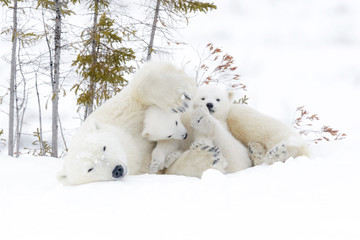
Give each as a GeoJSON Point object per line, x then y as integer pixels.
{"type": "Point", "coordinates": [278, 153]}
{"type": "Point", "coordinates": [156, 166]}
{"type": "Point", "coordinates": [201, 120]}
{"type": "Point", "coordinates": [171, 158]}
{"type": "Point", "coordinates": [212, 151]}
{"type": "Point", "coordinates": [197, 143]}
{"type": "Point", "coordinates": [256, 153]}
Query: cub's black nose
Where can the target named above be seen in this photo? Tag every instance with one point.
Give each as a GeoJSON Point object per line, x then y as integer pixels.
{"type": "Point", "coordinates": [185, 136]}
{"type": "Point", "coordinates": [209, 106]}
{"type": "Point", "coordinates": [118, 171]}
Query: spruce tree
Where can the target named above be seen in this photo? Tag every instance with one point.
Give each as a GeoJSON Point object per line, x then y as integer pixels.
{"type": "Point", "coordinates": [103, 60]}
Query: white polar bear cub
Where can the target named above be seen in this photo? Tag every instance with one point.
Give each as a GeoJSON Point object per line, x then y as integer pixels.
{"type": "Point", "coordinates": [109, 144]}
{"type": "Point", "coordinates": [209, 122]}
{"type": "Point", "coordinates": [205, 133]}
{"type": "Point", "coordinates": [267, 139]}
{"type": "Point", "coordinates": [166, 128]}
{"type": "Point", "coordinates": [159, 125]}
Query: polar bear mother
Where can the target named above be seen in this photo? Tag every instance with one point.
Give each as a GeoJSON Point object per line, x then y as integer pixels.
{"type": "Point", "coordinates": [109, 145]}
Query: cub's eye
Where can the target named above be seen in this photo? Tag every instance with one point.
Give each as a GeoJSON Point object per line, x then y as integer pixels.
{"type": "Point", "coordinates": [176, 123]}
{"type": "Point", "coordinates": [218, 99]}
{"type": "Point", "coordinates": [169, 136]}
{"type": "Point", "coordinates": [90, 169]}
{"type": "Point", "coordinates": [203, 98]}
{"type": "Point", "coordinates": [104, 148]}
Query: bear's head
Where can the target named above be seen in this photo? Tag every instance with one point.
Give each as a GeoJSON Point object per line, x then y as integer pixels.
{"type": "Point", "coordinates": [160, 124]}
{"type": "Point", "coordinates": [216, 100]}
{"type": "Point", "coordinates": [95, 155]}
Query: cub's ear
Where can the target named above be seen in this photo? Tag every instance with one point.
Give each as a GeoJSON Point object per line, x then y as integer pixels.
{"type": "Point", "coordinates": [231, 95]}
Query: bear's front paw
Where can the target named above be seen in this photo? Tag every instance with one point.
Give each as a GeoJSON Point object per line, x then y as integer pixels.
{"type": "Point", "coordinates": [185, 102]}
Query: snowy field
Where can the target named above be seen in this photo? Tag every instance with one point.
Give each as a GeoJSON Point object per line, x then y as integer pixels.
{"type": "Point", "coordinates": [290, 53]}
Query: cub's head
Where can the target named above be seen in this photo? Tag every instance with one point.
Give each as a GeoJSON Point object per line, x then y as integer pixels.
{"type": "Point", "coordinates": [160, 125]}
{"type": "Point", "coordinates": [95, 155]}
{"type": "Point", "coordinates": [216, 100]}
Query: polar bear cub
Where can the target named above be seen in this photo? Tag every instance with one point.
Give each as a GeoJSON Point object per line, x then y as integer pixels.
{"type": "Point", "coordinates": [166, 128]}
{"type": "Point", "coordinates": [268, 139]}
{"type": "Point", "coordinates": [209, 122]}
{"type": "Point", "coordinates": [160, 124]}
{"type": "Point", "coordinates": [205, 133]}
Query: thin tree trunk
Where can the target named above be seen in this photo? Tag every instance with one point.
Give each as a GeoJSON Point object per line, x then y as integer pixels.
{"type": "Point", "coordinates": [55, 83]}
{"type": "Point", "coordinates": [92, 85]}
{"type": "Point", "coordinates": [153, 30]}
{"type": "Point", "coordinates": [12, 82]}
{"type": "Point", "coordinates": [62, 135]}
{"type": "Point", "coordinates": [42, 147]}
{"type": "Point", "coordinates": [20, 107]}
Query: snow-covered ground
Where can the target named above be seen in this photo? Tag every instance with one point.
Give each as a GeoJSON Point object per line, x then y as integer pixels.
{"type": "Point", "coordinates": [290, 53]}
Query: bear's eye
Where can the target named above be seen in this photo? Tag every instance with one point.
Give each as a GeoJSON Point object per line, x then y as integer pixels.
{"type": "Point", "coordinates": [169, 136]}
{"type": "Point", "coordinates": [104, 148]}
{"type": "Point", "coordinates": [176, 123]}
{"type": "Point", "coordinates": [218, 99]}
{"type": "Point", "coordinates": [203, 98]}
{"type": "Point", "coordinates": [90, 169]}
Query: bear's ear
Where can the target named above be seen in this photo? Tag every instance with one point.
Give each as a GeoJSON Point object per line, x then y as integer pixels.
{"type": "Point", "coordinates": [231, 95]}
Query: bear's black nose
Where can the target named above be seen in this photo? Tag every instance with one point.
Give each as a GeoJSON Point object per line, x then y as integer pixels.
{"type": "Point", "coordinates": [185, 136]}
{"type": "Point", "coordinates": [209, 106]}
{"type": "Point", "coordinates": [118, 171]}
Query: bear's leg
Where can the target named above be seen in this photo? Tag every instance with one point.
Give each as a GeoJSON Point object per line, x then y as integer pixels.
{"type": "Point", "coordinates": [202, 122]}
{"type": "Point", "coordinates": [199, 158]}
{"type": "Point", "coordinates": [158, 158]}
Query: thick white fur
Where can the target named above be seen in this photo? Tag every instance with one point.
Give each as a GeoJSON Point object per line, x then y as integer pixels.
{"type": "Point", "coordinates": [160, 124]}
{"type": "Point", "coordinates": [156, 83]}
{"type": "Point", "coordinates": [166, 128]}
{"type": "Point", "coordinates": [210, 131]}
{"type": "Point", "coordinates": [268, 139]}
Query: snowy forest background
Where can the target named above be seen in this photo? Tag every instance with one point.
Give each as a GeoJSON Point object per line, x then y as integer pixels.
{"type": "Point", "coordinates": [288, 53]}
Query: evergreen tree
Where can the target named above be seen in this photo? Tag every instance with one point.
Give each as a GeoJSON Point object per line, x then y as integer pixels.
{"type": "Point", "coordinates": [103, 60]}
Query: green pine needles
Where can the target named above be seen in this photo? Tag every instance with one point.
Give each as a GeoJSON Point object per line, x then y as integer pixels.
{"type": "Point", "coordinates": [102, 63]}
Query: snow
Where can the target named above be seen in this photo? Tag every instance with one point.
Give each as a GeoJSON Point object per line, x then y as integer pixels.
{"type": "Point", "coordinates": [303, 198]}
{"type": "Point", "coordinates": [290, 53]}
